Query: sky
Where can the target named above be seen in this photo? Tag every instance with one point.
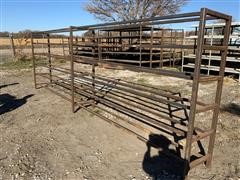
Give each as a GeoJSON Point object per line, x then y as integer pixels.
{"type": "Point", "coordinates": [19, 15]}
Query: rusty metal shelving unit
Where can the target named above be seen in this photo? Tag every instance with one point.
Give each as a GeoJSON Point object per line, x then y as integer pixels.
{"type": "Point", "coordinates": [124, 44]}
{"type": "Point", "coordinates": [136, 107]}
{"type": "Point", "coordinates": [211, 58]}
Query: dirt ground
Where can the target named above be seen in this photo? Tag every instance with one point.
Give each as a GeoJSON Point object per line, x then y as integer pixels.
{"type": "Point", "coordinates": [42, 139]}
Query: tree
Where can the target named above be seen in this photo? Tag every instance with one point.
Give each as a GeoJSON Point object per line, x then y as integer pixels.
{"type": "Point", "coordinates": [4, 34]}
{"type": "Point", "coordinates": [124, 10]}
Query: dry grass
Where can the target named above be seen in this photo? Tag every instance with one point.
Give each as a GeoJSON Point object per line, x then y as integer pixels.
{"type": "Point", "coordinates": [4, 41]}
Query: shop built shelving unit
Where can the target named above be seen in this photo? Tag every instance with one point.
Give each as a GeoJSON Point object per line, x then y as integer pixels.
{"type": "Point", "coordinates": [132, 106]}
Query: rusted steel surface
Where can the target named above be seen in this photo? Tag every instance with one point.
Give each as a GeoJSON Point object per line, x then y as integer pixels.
{"type": "Point", "coordinates": [134, 107]}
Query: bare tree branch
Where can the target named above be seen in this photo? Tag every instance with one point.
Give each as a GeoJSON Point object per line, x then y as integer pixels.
{"type": "Point", "coordinates": [115, 10]}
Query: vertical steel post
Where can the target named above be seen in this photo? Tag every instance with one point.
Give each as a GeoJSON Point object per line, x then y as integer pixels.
{"type": "Point", "coordinates": [76, 47]}
{"type": "Point", "coordinates": [33, 61]}
{"type": "Point", "coordinates": [71, 66]}
{"type": "Point", "coordinates": [205, 40]}
{"type": "Point", "coordinates": [219, 90]}
{"type": "Point", "coordinates": [120, 41]}
{"type": "Point", "coordinates": [151, 51]}
{"type": "Point", "coordinates": [69, 46]}
{"type": "Point", "coordinates": [171, 49]}
{"type": "Point", "coordinates": [129, 41]}
{"type": "Point", "coordinates": [161, 53]}
{"type": "Point", "coordinates": [63, 47]}
{"type": "Point", "coordinates": [108, 43]}
{"type": "Point", "coordinates": [174, 50]}
{"type": "Point", "coordinates": [183, 51]}
{"type": "Point", "coordinates": [113, 42]}
{"type": "Point", "coordinates": [99, 41]}
{"type": "Point", "coordinates": [195, 85]}
{"type": "Point", "coordinates": [231, 32]}
{"type": "Point", "coordinates": [93, 82]}
{"type": "Point", "coordinates": [140, 46]}
{"type": "Point", "coordinates": [93, 43]}
{"type": "Point", "coordinates": [49, 58]}
{"type": "Point", "coordinates": [12, 44]}
{"type": "Point", "coordinates": [195, 41]}
{"type": "Point", "coordinates": [210, 51]}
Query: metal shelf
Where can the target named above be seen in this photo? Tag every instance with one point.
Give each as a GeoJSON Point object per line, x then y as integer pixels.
{"type": "Point", "coordinates": [213, 58]}
{"type": "Point", "coordinates": [214, 68]}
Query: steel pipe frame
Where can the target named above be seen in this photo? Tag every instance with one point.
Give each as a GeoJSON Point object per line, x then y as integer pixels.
{"type": "Point", "coordinates": [149, 88]}
{"type": "Point", "coordinates": [219, 84]}
{"type": "Point", "coordinates": [115, 65]}
{"type": "Point", "coordinates": [134, 124]}
{"type": "Point", "coordinates": [140, 46]}
{"type": "Point", "coordinates": [82, 90]}
{"type": "Point", "coordinates": [136, 89]}
{"type": "Point", "coordinates": [202, 16]}
{"type": "Point", "coordinates": [33, 61]}
{"type": "Point", "coordinates": [98, 107]}
{"type": "Point", "coordinates": [178, 18]}
{"type": "Point", "coordinates": [78, 28]}
{"type": "Point", "coordinates": [195, 87]}
{"type": "Point", "coordinates": [115, 87]}
{"type": "Point", "coordinates": [200, 47]}
{"type": "Point", "coordinates": [89, 88]}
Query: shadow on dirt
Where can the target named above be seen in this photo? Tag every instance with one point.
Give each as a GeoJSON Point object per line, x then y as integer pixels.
{"type": "Point", "coordinates": [6, 85]}
{"type": "Point", "coordinates": [9, 103]}
{"type": "Point", "coordinates": [232, 108]}
{"type": "Point", "coordinates": [167, 164]}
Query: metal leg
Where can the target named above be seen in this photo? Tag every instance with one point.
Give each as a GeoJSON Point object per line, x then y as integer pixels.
{"type": "Point", "coordinates": [49, 58]}
{"type": "Point", "coordinates": [33, 61]}
{"type": "Point", "coordinates": [218, 93]}
{"type": "Point", "coordinates": [72, 68]}
{"type": "Point", "coordinates": [195, 86]}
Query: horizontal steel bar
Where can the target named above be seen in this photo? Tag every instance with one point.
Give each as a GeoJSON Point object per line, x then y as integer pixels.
{"type": "Point", "coordinates": [132, 112]}
{"type": "Point", "coordinates": [217, 14]}
{"type": "Point", "coordinates": [122, 66]}
{"type": "Point", "coordinates": [157, 90]}
{"type": "Point", "coordinates": [53, 44]}
{"type": "Point", "coordinates": [77, 28]}
{"type": "Point", "coordinates": [198, 161]}
{"type": "Point", "coordinates": [202, 135]}
{"type": "Point", "coordinates": [176, 46]}
{"type": "Point", "coordinates": [114, 104]}
{"type": "Point", "coordinates": [206, 108]}
{"type": "Point", "coordinates": [138, 87]}
{"type": "Point", "coordinates": [216, 48]}
{"type": "Point", "coordinates": [209, 79]}
{"type": "Point", "coordinates": [149, 23]}
{"type": "Point", "coordinates": [152, 97]}
{"type": "Point", "coordinates": [106, 95]}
